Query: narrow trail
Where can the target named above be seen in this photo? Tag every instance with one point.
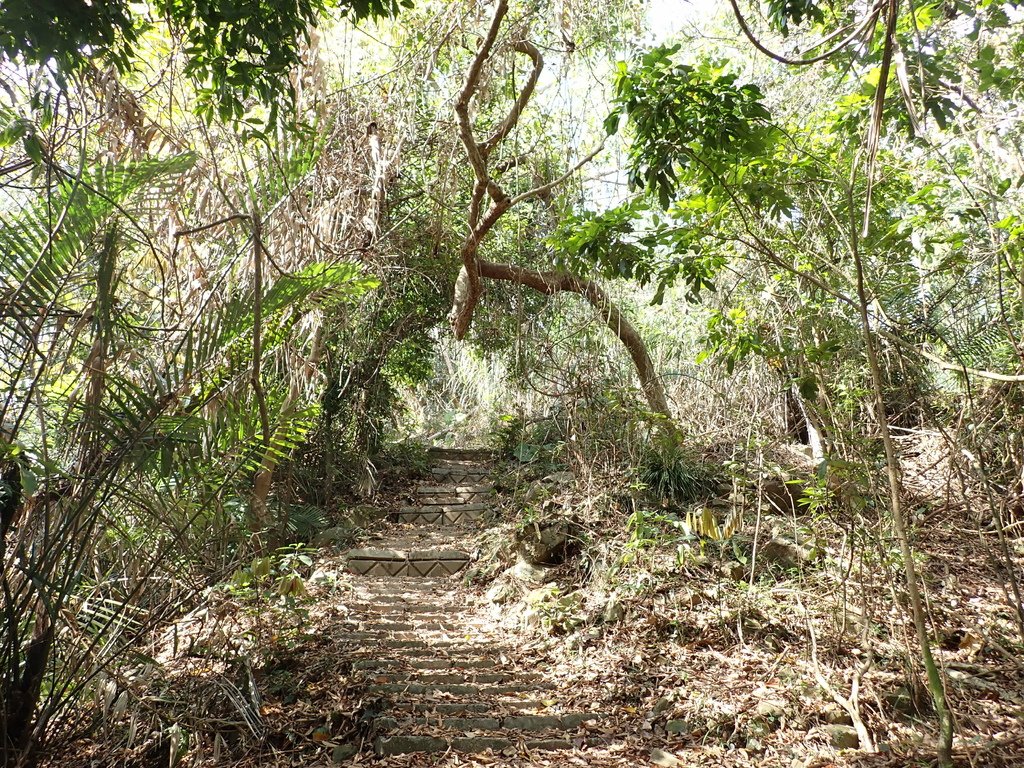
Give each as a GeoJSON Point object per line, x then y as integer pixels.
{"type": "Point", "coordinates": [439, 679]}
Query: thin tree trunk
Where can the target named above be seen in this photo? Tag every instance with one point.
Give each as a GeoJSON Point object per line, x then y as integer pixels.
{"type": "Point", "coordinates": [259, 512]}
{"type": "Point", "coordinates": [935, 685]}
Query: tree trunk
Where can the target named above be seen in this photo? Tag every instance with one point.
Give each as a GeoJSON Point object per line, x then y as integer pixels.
{"type": "Point", "coordinates": [557, 282]}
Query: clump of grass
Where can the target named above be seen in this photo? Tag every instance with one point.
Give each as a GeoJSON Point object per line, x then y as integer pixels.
{"type": "Point", "coordinates": [671, 471]}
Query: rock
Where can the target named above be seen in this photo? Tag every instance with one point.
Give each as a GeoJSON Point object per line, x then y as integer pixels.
{"type": "Point", "coordinates": [343, 752]}
{"type": "Point", "coordinates": [902, 700]}
{"type": "Point", "coordinates": [664, 704]}
{"type": "Point", "coordinates": [400, 745]}
{"type": "Point", "coordinates": [548, 544]}
{"type": "Point", "coordinates": [532, 722]}
{"type": "Point", "coordinates": [834, 714]}
{"type": "Point", "coordinates": [532, 573]}
{"type": "Point", "coordinates": [502, 590]}
{"type": "Point", "coordinates": [786, 498]}
{"type": "Point", "coordinates": [770, 709]}
{"type": "Point", "coordinates": [541, 595]}
{"type": "Point", "coordinates": [533, 618]}
{"type": "Point", "coordinates": [691, 599]}
{"type": "Point", "coordinates": [614, 610]}
{"type": "Point", "coordinates": [842, 736]}
{"type": "Point", "coordinates": [665, 759]}
{"type": "Point", "coordinates": [339, 535]}
{"type": "Point", "coordinates": [787, 553]}
{"type": "Point", "coordinates": [677, 727]}
{"type": "Point", "coordinates": [364, 515]}
{"type": "Point", "coordinates": [323, 577]}
{"type": "Point", "coordinates": [536, 493]}
{"type": "Point", "coordinates": [734, 571]}
{"type": "Point", "coordinates": [560, 478]}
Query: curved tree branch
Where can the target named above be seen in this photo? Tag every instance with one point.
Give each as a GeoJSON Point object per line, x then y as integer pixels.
{"type": "Point", "coordinates": [871, 18]}
{"type": "Point", "coordinates": [503, 130]}
{"type": "Point", "coordinates": [562, 282]}
{"type": "Point", "coordinates": [469, 286]}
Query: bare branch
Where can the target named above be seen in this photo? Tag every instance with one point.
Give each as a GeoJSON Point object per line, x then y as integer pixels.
{"type": "Point", "coordinates": [469, 88]}
{"type": "Point", "coordinates": [544, 189]}
{"type": "Point", "coordinates": [522, 46]}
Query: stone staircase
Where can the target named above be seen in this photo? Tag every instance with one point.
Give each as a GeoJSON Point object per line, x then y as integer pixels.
{"type": "Point", "coordinates": [436, 675]}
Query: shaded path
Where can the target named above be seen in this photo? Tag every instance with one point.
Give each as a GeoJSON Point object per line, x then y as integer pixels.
{"type": "Point", "coordinates": [437, 675]}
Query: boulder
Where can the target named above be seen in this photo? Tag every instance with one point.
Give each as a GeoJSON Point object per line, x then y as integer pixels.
{"type": "Point", "coordinates": [782, 497]}
{"type": "Point", "coordinates": [532, 573]}
{"type": "Point", "coordinates": [842, 736]}
{"type": "Point", "coordinates": [560, 478]}
{"type": "Point", "coordinates": [550, 543]}
{"type": "Point", "coordinates": [502, 590]}
{"type": "Point", "coordinates": [614, 611]}
{"type": "Point", "coordinates": [344, 752]}
{"type": "Point", "coordinates": [770, 710]}
{"type": "Point", "coordinates": [833, 714]}
{"type": "Point", "coordinates": [677, 727]}
{"type": "Point", "coordinates": [339, 535]}
{"type": "Point", "coordinates": [665, 759]}
{"type": "Point", "coordinates": [536, 493]}
{"type": "Point", "coordinates": [789, 554]}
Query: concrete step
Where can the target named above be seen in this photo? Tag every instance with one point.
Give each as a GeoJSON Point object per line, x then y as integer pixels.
{"type": "Point", "coordinates": [413, 645]}
{"type": "Point", "coordinates": [406, 563]}
{"type": "Point", "coordinates": [425, 663]}
{"type": "Point", "coordinates": [526, 723]}
{"type": "Point", "coordinates": [386, 746]}
{"type": "Point", "coordinates": [443, 514]}
{"type": "Point", "coordinates": [449, 621]}
{"type": "Point", "coordinates": [462, 454]}
{"type": "Point", "coordinates": [436, 639]}
{"type": "Point", "coordinates": [462, 689]}
{"type": "Point", "coordinates": [399, 611]}
{"type": "Point", "coordinates": [402, 611]}
{"type": "Point", "coordinates": [399, 590]}
{"type": "Point", "coordinates": [426, 707]}
{"type": "Point", "coordinates": [468, 677]}
{"type": "Point", "coordinates": [466, 475]}
{"type": "Point", "coordinates": [469, 492]}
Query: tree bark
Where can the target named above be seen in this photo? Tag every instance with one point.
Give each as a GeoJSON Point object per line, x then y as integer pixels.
{"type": "Point", "coordinates": [559, 282]}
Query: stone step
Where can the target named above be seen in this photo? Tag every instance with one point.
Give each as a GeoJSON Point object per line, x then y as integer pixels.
{"type": "Point", "coordinates": [522, 722]}
{"type": "Point", "coordinates": [403, 611]}
{"type": "Point", "coordinates": [442, 514]}
{"type": "Point", "coordinates": [424, 663]}
{"type": "Point", "coordinates": [437, 639]}
{"type": "Point", "coordinates": [461, 474]}
{"type": "Point", "coordinates": [399, 563]}
{"type": "Point", "coordinates": [415, 706]}
{"type": "Point", "coordinates": [469, 677]}
{"type": "Point", "coordinates": [477, 489]}
{"type": "Point", "coordinates": [474, 506]}
{"type": "Point", "coordinates": [462, 454]}
{"type": "Point", "coordinates": [462, 689]}
{"type": "Point", "coordinates": [393, 627]}
{"type": "Point", "coordinates": [414, 646]}
{"type": "Point", "coordinates": [406, 622]}
{"type": "Point", "coordinates": [425, 611]}
{"type": "Point", "coordinates": [397, 590]}
{"type": "Point", "coordinates": [382, 599]}
{"type": "Point", "coordinates": [386, 746]}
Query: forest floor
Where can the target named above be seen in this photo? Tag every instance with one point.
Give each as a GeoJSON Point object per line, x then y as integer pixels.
{"type": "Point", "coordinates": [688, 652]}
